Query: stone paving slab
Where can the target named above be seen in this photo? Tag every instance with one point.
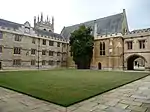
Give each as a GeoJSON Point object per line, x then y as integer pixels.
{"type": "Point", "coordinates": [133, 97]}
{"type": "Point", "coordinates": [11, 101]}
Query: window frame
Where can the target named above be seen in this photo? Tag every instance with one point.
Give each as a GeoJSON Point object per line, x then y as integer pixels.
{"type": "Point", "coordinates": [33, 62]}
{"type": "Point", "coordinates": [44, 41]}
{"type": "Point", "coordinates": [102, 48]}
{"type": "Point", "coordinates": [142, 44]}
{"type": "Point", "coordinates": [51, 43]}
{"type": "Point", "coordinates": [1, 49]}
{"type": "Point", "coordinates": [17, 62]}
{"type": "Point", "coordinates": [51, 53]}
{"type": "Point", "coordinates": [44, 62]}
{"type": "Point", "coordinates": [1, 35]}
{"type": "Point", "coordinates": [129, 45]}
{"type": "Point", "coordinates": [51, 62]}
{"type": "Point", "coordinates": [17, 50]}
{"type": "Point", "coordinates": [17, 38]}
{"type": "Point", "coordinates": [43, 52]}
{"type": "Point", "coordinates": [33, 53]}
{"type": "Point", "coordinates": [58, 44]}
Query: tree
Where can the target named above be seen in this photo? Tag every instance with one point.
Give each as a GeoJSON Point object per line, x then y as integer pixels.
{"type": "Point", "coordinates": [81, 43]}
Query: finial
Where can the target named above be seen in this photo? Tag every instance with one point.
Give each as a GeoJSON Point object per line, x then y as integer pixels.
{"type": "Point", "coordinates": [41, 16]}
{"type": "Point", "coordinates": [34, 20]}
{"type": "Point", "coordinates": [38, 19]}
{"type": "Point", "coordinates": [47, 18]}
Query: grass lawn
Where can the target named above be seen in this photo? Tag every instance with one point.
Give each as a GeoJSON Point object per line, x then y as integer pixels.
{"type": "Point", "coordinates": [65, 87]}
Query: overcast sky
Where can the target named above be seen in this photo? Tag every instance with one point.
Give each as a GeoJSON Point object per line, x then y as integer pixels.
{"type": "Point", "coordinates": [70, 12]}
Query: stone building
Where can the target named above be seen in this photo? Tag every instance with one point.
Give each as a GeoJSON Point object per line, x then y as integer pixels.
{"type": "Point", "coordinates": [115, 47]}
{"type": "Point", "coordinates": [23, 46]}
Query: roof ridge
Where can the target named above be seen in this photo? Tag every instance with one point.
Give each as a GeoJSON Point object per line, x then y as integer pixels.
{"type": "Point", "coordinates": [94, 20]}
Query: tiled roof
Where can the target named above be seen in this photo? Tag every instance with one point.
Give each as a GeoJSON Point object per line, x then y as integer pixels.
{"type": "Point", "coordinates": [106, 25]}
{"type": "Point", "coordinates": [9, 24]}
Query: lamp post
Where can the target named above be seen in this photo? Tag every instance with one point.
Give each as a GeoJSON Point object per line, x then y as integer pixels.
{"type": "Point", "coordinates": [38, 51]}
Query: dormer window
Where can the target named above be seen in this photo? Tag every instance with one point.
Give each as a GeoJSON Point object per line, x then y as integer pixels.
{"type": "Point", "coordinates": [27, 29]}
{"type": "Point", "coordinates": [44, 29]}
{"type": "Point", "coordinates": [50, 31]}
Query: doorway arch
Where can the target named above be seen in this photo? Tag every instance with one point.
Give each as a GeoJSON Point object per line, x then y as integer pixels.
{"type": "Point", "coordinates": [99, 66]}
{"type": "Point", "coordinates": [131, 59]}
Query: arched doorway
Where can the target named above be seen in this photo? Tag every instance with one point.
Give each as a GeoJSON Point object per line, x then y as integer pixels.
{"type": "Point", "coordinates": [132, 61]}
{"type": "Point", "coordinates": [0, 65]}
{"type": "Point", "coordinates": [99, 66]}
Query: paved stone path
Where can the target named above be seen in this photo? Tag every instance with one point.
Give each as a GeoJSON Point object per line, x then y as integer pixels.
{"type": "Point", "coordinates": [133, 97]}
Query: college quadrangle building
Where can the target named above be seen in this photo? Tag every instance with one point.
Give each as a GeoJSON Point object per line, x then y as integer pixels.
{"type": "Point", "coordinates": [115, 47]}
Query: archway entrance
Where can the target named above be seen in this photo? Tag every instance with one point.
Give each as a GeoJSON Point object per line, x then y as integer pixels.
{"type": "Point", "coordinates": [99, 66]}
{"type": "Point", "coordinates": [136, 62]}
{"type": "Point", "coordinates": [0, 65]}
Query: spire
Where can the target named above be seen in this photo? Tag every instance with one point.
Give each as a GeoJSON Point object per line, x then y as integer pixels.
{"type": "Point", "coordinates": [53, 23]}
{"type": "Point", "coordinates": [34, 20]}
{"type": "Point", "coordinates": [41, 16]}
{"type": "Point", "coordinates": [47, 19]}
{"type": "Point", "coordinates": [52, 20]}
{"type": "Point", "coordinates": [38, 19]}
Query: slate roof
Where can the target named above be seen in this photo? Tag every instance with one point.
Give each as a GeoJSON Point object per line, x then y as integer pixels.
{"type": "Point", "coordinates": [9, 24]}
{"type": "Point", "coordinates": [106, 25]}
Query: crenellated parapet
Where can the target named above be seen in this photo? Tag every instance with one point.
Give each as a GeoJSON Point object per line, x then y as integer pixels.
{"type": "Point", "coordinates": [113, 35]}
{"type": "Point", "coordinates": [47, 24]}
{"type": "Point", "coordinates": [138, 33]}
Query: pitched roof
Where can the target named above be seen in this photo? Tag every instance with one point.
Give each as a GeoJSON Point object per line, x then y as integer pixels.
{"type": "Point", "coordinates": [106, 25]}
{"type": "Point", "coordinates": [9, 24]}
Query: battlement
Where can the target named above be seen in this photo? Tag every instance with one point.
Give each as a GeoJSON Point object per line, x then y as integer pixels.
{"type": "Point", "coordinates": [108, 36]}
{"type": "Point", "coordinates": [139, 31]}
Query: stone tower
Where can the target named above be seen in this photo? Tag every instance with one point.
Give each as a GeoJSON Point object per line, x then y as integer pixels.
{"type": "Point", "coordinates": [46, 25]}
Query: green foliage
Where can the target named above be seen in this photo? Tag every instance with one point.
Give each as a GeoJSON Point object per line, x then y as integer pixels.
{"type": "Point", "coordinates": [81, 42]}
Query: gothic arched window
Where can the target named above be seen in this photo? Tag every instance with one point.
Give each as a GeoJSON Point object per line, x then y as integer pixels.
{"type": "Point", "coordinates": [102, 48]}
